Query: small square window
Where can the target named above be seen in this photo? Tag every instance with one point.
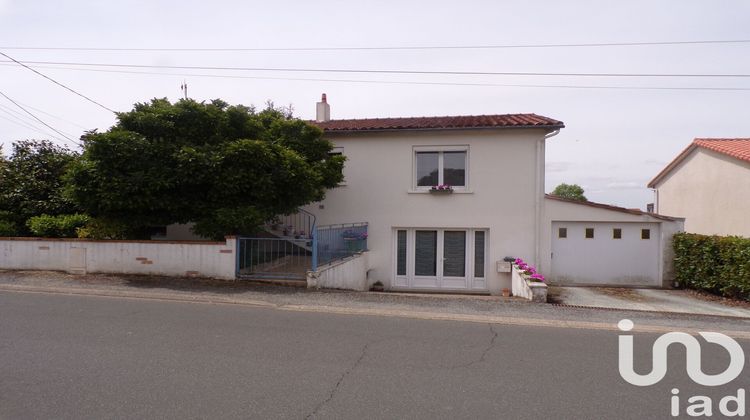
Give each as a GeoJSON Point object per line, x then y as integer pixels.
{"type": "Point", "coordinates": [562, 233]}
{"type": "Point", "coordinates": [616, 233]}
{"type": "Point", "coordinates": [589, 233]}
{"type": "Point", "coordinates": [645, 233]}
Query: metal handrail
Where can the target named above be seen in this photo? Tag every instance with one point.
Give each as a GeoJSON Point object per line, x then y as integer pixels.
{"type": "Point", "coordinates": [343, 225]}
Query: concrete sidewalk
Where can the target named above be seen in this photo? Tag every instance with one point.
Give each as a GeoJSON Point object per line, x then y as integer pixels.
{"type": "Point", "coordinates": [659, 300]}
{"type": "Point", "coordinates": [466, 308]}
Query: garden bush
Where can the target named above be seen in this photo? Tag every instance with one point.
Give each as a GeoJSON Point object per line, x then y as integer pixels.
{"type": "Point", "coordinates": [717, 264]}
{"type": "Point", "coordinates": [62, 226]}
{"type": "Point", "coordinates": [7, 228]}
{"type": "Point", "coordinates": [103, 229]}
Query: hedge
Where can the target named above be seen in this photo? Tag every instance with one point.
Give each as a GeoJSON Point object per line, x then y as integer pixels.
{"type": "Point", "coordinates": [62, 226]}
{"type": "Point", "coordinates": [717, 264]}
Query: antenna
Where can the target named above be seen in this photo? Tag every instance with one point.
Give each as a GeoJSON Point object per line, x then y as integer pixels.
{"type": "Point", "coordinates": [183, 88]}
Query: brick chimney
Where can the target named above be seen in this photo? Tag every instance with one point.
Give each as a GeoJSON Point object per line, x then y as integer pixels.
{"type": "Point", "coordinates": [323, 110]}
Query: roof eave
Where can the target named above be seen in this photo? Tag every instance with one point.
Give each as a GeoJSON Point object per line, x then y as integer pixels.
{"type": "Point", "coordinates": [549, 127]}
{"type": "Point", "coordinates": [673, 164]}
{"type": "Point", "coordinates": [609, 207]}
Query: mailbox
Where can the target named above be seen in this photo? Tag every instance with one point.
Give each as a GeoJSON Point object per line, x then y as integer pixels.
{"type": "Point", "coordinates": [503, 267]}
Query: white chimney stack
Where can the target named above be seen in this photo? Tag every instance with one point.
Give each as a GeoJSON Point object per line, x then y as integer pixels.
{"type": "Point", "coordinates": [323, 110]}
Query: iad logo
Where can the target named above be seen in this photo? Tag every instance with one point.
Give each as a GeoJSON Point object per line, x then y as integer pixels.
{"type": "Point", "coordinates": [701, 405]}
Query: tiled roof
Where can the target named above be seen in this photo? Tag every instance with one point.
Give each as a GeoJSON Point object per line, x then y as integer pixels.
{"type": "Point", "coordinates": [636, 212]}
{"type": "Point", "coordinates": [441, 123]}
{"type": "Point", "coordinates": [738, 148]}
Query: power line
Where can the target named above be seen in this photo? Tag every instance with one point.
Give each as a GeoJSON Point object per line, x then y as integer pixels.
{"type": "Point", "coordinates": [396, 48]}
{"type": "Point", "coordinates": [57, 83]}
{"type": "Point", "coordinates": [23, 117]}
{"type": "Point", "coordinates": [30, 127]}
{"type": "Point", "coordinates": [38, 119]}
{"type": "Point", "coordinates": [368, 71]}
{"type": "Point", "coordinates": [54, 116]}
{"type": "Point", "coordinates": [403, 82]}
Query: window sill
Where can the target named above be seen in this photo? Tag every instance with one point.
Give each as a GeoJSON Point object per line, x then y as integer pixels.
{"type": "Point", "coordinates": [455, 191]}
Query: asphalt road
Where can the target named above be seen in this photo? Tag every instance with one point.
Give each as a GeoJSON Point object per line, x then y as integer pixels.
{"type": "Point", "coordinates": [74, 357]}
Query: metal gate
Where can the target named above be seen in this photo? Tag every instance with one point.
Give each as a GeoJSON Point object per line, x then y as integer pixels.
{"type": "Point", "coordinates": [274, 258]}
{"type": "Point", "coordinates": [283, 250]}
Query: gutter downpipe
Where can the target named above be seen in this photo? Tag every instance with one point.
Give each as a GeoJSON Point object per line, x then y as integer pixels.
{"type": "Point", "coordinates": [539, 196]}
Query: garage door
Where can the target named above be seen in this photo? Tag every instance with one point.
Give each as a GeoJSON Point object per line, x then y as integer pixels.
{"type": "Point", "coordinates": [605, 253]}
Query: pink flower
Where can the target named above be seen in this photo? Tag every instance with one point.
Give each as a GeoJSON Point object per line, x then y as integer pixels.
{"type": "Point", "coordinates": [537, 277]}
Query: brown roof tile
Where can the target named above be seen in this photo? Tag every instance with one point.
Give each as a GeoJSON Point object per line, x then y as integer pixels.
{"type": "Point", "coordinates": [440, 123]}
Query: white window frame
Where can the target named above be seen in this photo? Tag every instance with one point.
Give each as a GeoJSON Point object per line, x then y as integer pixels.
{"type": "Point", "coordinates": [439, 150]}
{"type": "Point", "coordinates": [411, 281]}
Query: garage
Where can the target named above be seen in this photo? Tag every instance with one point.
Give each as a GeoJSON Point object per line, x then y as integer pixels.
{"type": "Point", "coordinates": [605, 253]}
{"type": "Point", "coordinates": [594, 244]}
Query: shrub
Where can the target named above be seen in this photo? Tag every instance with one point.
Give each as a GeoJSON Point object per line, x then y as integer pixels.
{"type": "Point", "coordinates": [8, 228]}
{"type": "Point", "coordinates": [717, 264]}
{"type": "Point", "coordinates": [62, 226]}
{"type": "Point", "coordinates": [103, 229]}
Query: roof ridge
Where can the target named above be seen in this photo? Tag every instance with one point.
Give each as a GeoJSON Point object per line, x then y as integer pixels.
{"type": "Point", "coordinates": [440, 122]}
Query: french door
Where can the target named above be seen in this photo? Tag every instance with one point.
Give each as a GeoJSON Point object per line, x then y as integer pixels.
{"type": "Point", "coordinates": [440, 258]}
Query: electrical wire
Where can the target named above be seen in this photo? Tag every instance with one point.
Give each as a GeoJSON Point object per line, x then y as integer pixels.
{"type": "Point", "coordinates": [29, 127]}
{"type": "Point", "coordinates": [58, 83]}
{"type": "Point", "coordinates": [23, 118]}
{"type": "Point", "coordinates": [38, 119]}
{"type": "Point", "coordinates": [403, 82]}
{"type": "Point", "coordinates": [419, 72]}
{"type": "Point", "coordinates": [386, 48]}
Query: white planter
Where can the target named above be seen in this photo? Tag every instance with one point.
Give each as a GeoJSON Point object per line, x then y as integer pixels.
{"type": "Point", "coordinates": [531, 290]}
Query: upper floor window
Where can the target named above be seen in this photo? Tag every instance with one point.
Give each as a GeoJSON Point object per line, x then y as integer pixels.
{"type": "Point", "coordinates": [441, 166]}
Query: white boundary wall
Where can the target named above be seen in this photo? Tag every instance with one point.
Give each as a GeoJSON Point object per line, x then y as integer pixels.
{"type": "Point", "coordinates": [168, 258]}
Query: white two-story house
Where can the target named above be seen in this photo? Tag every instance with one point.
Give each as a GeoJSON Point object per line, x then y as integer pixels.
{"type": "Point", "coordinates": [420, 238]}
{"type": "Point", "coordinates": [447, 199]}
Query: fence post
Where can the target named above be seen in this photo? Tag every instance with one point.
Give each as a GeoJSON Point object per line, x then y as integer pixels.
{"type": "Point", "coordinates": [314, 248]}
{"type": "Point", "coordinates": [237, 243]}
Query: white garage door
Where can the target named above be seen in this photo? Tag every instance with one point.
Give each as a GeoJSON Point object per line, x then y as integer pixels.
{"type": "Point", "coordinates": [599, 253]}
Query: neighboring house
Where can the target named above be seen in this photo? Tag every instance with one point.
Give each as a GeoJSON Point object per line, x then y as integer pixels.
{"type": "Point", "coordinates": [709, 185]}
{"type": "Point", "coordinates": [422, 239]}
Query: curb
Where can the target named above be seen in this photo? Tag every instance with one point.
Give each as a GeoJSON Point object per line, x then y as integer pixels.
{"type": "Point", "coordinates": [434, 316]}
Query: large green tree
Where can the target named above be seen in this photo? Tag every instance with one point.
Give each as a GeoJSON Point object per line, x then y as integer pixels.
{"type": "Point", "coordinates": [570, 191]}
{"type": "Point", "coordinates": [31, 183]}
{"type": "Point", "coordinates": [226, 168]}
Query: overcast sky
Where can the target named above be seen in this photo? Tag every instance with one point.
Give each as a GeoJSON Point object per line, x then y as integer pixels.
{"type": "Point", "coordinates": [615, 140]}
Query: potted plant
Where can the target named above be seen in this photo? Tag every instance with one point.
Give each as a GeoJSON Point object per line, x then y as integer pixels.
{"type": "Point", "coordinates": [377, 287]}
{"type": "Point", "coordinates": [441, 189]}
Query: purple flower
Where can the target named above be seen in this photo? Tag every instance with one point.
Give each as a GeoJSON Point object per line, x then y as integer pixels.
{"type": "Point", "coordinates": [518, 261]}
{"type": "Point", "coordinates": [537, 277]}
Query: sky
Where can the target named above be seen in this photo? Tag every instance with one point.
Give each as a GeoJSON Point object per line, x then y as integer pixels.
{"type": "Point", "coordinates": [615, 139]}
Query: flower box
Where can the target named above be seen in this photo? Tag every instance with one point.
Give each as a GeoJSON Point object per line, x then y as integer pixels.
{"type": "Point", "coordinates": [441, 189]}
